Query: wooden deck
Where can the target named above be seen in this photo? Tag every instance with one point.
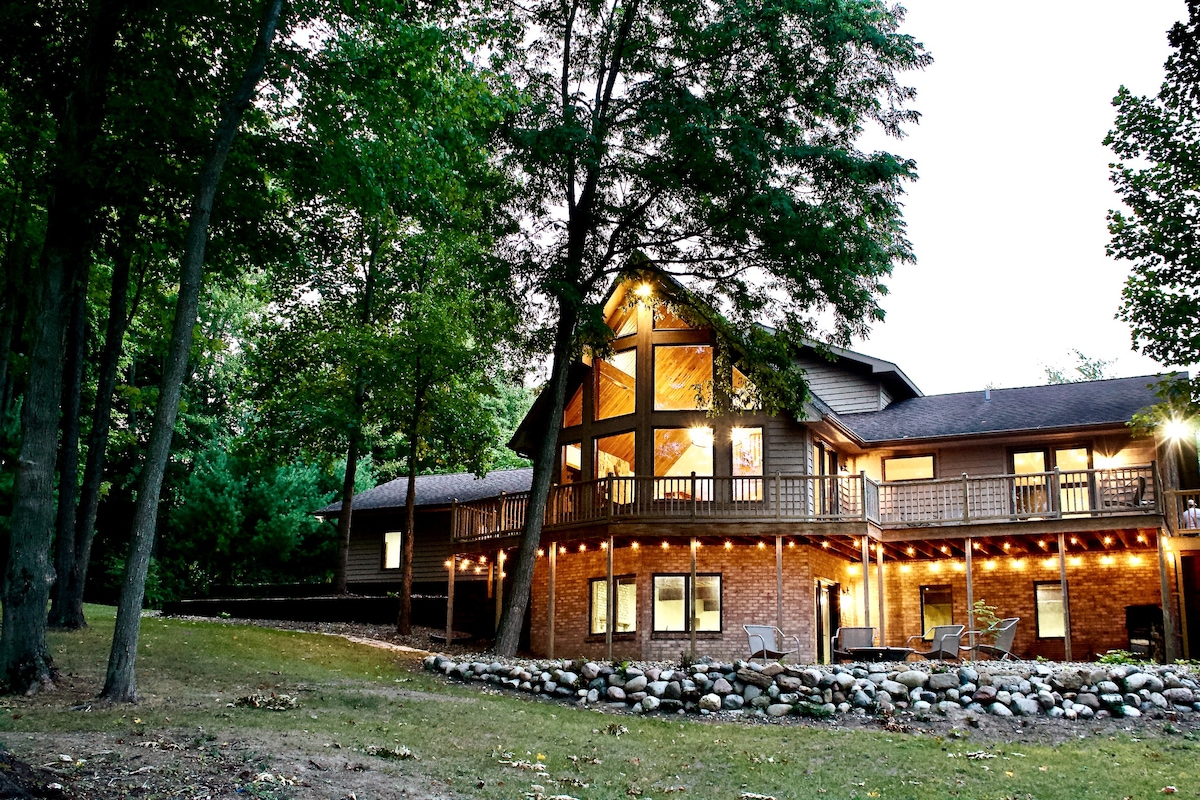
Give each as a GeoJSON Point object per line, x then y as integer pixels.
{"type": "Point", "coordinates": [836, 503]}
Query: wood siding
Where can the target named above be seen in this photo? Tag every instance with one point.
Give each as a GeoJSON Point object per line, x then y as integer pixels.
{"type": "Point", "coordinates": [430, 550]}
{"type": "Point", "coordinates": [844, 391]}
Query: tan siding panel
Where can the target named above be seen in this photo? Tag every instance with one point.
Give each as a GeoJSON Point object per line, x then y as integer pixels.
{"type": "Point", "coordinates": [845, 392]}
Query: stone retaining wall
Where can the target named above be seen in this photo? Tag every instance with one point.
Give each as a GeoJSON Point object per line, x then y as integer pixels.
{"type": "Point", "coordinates": [1000, 688]}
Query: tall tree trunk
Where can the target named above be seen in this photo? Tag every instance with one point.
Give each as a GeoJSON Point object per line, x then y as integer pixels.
{"type": "Point", "coordinates": [344, 515]}
{"type": "Point", "coordinates": [68, 449]}
{"type": "Point", "coordinates": [120, 684]}
{"type": "Point", "coordinates": [544, 461]}
{"type": "Point", "coordinates": [359, 402]}
{"type": "Point", "coordinates": [25, 662]}
{"type": "Point", "coordinates": [404, 623]}
{"type": "Point", "coordinates": [93, 469]}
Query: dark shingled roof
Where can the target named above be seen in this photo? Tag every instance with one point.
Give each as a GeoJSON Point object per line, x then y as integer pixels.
{"type": "Point", "coordinates": [1064, 405]}
{"type": "Point", "coordinates": [439, 490]}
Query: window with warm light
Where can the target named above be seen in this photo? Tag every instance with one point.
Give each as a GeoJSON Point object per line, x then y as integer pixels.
{"type": "Point", "coordinates": [1049, 608]}
{"type": "Point", "coordinates": [616, 384]}
{"type": "Point", "coordinates": [573, 413]}
{"type": "Point", "coordinates": [682, 377]}
{"type": "Point", "coordinates": [625, 605]}
{"type": "Point", "coordinates": [679, 452]}
{"type": "Point", "coordinates": [937, 606]}
{"type": "Point", "coordinates": [393, 541]}
{"type": "Point", "coordinates": [667, 320]}
{"type": "Point", "coordinates": [614, 456]}
{"type": "Point", "coordinates": [908, 468]}
{"type": "Point", "coordinates": [623, 319]}
{"type": "Point", "coordinates": [745, 393]}
{"type": "Point", "coordinates": [747, 463]}
{"type": "Point", "coordinates": [673, 600]}
{"type": "Point", "coordinates": [570, 463]}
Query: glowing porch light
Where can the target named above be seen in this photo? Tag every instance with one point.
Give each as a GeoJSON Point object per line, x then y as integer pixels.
{"type": "Point", "coordinates": [728, 545]}
{"type": "Point", "coordinates": [604, 545]}
{"type": "Point", "coordinates": [541, 552]}
{"type": "Point", "coordinates": [1106, 561]}
{"type": "Point", "coordinates": [562, 551]}
{"type": "Point", "coordinates": [791, 544]}
{"type": "Point", "coordinates": [912, 551]}
{"type": "Point", "coordinates": [1074, 540]}
{"type": "Point", "coordinates": [465, 564]}
{"type": "Point", "coordinates": [1007, 545]}
{"type": "Point", "coordinates": [762, 545]}
{"type": "Point", "coordinates": [478, 570]}
{"type": "Point", "coordinates": [1042, 543]}
{"type": "Point", "coordinates": [990, 564]}
{"type": "Point", "coordinates": [1075, 561]}
{"type": "Point", "coordinates": [634, 545]}
{"type": "Point", "coordinates": [945, 550]}
{"type": "Point", "coordinates": [643, 290]}
{"type": "Point", "coordinates": [976, 546]}
{"type": "Point", "coordinates": [1107, 541]}
{"type": "Point", "coordinates": [666, 546]}
{"type": "Point", "coordinates": [825, 545]}
{"type": "Point", "coordinates": [446, 563]}
{"type": "Point", "coordinates": [906, 568]}
{"type": "Point", "coordinates": [1019, 564]}
{"type": "Point", "coordinates": [1141, 537]}
{"type": "Point", "coordinates": [483, 559]}
{"type": "Point", "coordinates": [583, 548]}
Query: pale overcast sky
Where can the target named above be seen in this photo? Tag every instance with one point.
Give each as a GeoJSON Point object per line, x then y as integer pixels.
{"type": "Point", "coordinates": [1008, 217]}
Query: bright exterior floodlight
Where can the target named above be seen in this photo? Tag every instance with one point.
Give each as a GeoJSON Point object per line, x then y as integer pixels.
{"type": "Point", "coordinates": [1175, 429]}
{"type": "Point", "coordinates": [644, 290]}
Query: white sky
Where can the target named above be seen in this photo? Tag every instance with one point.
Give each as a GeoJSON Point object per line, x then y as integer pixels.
{"type": "Point", "coordinates": [1008, 217]}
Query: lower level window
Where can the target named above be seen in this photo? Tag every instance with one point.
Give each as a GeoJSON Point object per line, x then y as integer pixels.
{"type": "Point", "coordinates": [673, 603]}
{"type": "Point", "coordinates": [391, 549]}
{"type": "Point", "coordinates": [1049, 598]}
{"type": "Point", "coordinates": [625, 605]}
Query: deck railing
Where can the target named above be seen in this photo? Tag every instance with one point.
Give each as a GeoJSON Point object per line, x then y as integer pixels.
{"type": "Point", "coordinates": [825, 498]}
{"type": "Point", "coordinates": [1184, 510]}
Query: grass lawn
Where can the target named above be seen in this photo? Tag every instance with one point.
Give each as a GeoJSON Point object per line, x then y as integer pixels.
{"type": "Point", "coordinates": [362, 707]}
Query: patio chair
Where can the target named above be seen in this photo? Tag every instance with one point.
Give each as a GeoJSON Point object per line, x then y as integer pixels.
{"type": "Point", "coordinates": [943, 640]}
{"type": "Point", "coordinates": [1004, 632]}
{"type": "Point", "coordinates": [847, 639]}
{"type": "Point", "coordinates": [767, 642]}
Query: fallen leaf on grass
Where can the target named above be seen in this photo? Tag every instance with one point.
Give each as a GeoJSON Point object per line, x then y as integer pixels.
{"type": "Point", "coordinates": [1168, 790]}
{"type": "Point", "coordinates": [271, 702]}
{"type": "Point", "coordinates": [399, 751]}
{"type": "Point", "coordinates": [755, 796]}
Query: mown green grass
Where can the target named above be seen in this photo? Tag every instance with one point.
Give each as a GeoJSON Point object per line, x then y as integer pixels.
{"type": "Point", "coordinates": [354, 697]}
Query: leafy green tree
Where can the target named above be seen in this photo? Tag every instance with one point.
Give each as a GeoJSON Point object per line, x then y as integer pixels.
{"type": "Point", "coordinates": [1086, 369]}
{"type": "Point", "coordinates": [389, 328]}
{"type": "Point", "coordinates": [1156, 141]}
{"type": "Point", "coordinates": [717, 141]}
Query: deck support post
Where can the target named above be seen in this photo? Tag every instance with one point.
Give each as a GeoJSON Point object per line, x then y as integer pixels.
{"type": "Point", "coordinates": [1168, 627]}
{"type": "Point", "coordinates": [499, 586]}
{"type": "Point", "coordinates": [692, 616]}
{"type": "Point", "coordinates": [967, 565]}
{"type": "Point", "coordinates": [452, 567]}
{"type": "Point", "coordinates": [779, 582]}
{"type": "Point", "coordinates": [611, 602]}
{"type": "Point", "coordinates": [866, 564]}
{"type": "Point", "coordinates": [879, 583]}
{"type": "Point", "coordinates": [1066, 598]}
{"type": "Point", "coordinates": [552, 565]}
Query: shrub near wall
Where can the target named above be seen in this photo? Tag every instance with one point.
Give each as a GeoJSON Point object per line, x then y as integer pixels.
{"type": "Point", "coordinates": [1004, 689]}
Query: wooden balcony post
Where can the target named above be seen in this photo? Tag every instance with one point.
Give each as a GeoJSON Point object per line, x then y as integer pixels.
{"type": "Point", "coordinates": [608, 510]}
{"type": "Point", "coordinates": [612, 601]}
{"type": "Point", "coordinates": [1054, 501]}
{"type": "Point", "coordinates": [692, 615]}
{"type": "Point", "coordinates": [552, 568]}
{"type": "Point", "coordinates": [779, 582]}
{"type": "Point", "coordinates": [778, 499]}
{"type": "Point", "coordinates": [970, 591]}
{"type": "Point", "coordinates": [450, 601]}
{"type": "Point", "coordinates": [693, 495]}
{"type": "Point", "coordinates": [966, 515]}
{"type": "Point", "coordinates": [862, 499]}
{"type": "Point", "coordinates": [879, 584]}
{"type": "Point", "coordinates": [866, 564]}
{"type": "Point", "coordinates": [1168, 622]}
{"type": "Point", "coordinates": [1066, 599]}
{"type": "Point", "coordinates": [502, 525]}
{"type": "Point", "coordinates": [499, 586]}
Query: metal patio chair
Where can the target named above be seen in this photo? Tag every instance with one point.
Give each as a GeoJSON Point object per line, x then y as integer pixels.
{"type": "Point", "coordinates": [943, 641]}
{"type": "Point", "coordinates": [848, 639]}
{"type": "Point", "coordinates": [767, 642]}
{"type": "Point", "coordinates": [1005, 631]}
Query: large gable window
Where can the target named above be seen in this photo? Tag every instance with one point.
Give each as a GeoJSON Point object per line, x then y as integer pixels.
{"type": "Point", "coordinates": [616, 384]}
{"type": "Point", "coordinates": [623, 320]}
{"type": "Point", "coordinates": [682, 377]}
{"type": "Point", "coordinates": [571, 463]}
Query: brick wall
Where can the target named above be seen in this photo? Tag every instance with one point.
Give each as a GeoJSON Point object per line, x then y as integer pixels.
{"type": "Point", "coordinates": [1099, 593]}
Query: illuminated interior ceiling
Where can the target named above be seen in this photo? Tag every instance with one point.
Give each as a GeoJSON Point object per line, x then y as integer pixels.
{"type": "Point", "coordinates": [680, 451]}
{"type": "Point", "coordinates": [573, 413]}
{"type": "Point", "coordinates": [681, 372]}
{"type": "Point", "coordinates": [619, 447]}
{"type": "Point", "coordinates": [623, 319]}
{"type": "Point", "coordinates": [616, 385]}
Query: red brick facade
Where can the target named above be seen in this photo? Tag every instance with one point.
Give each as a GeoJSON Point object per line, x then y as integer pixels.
{"type": "Point", "coordinates": [1100, 586]}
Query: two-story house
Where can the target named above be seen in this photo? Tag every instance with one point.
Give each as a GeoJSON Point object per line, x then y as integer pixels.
{"type": "Point", "coordinates": [880, 506]}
